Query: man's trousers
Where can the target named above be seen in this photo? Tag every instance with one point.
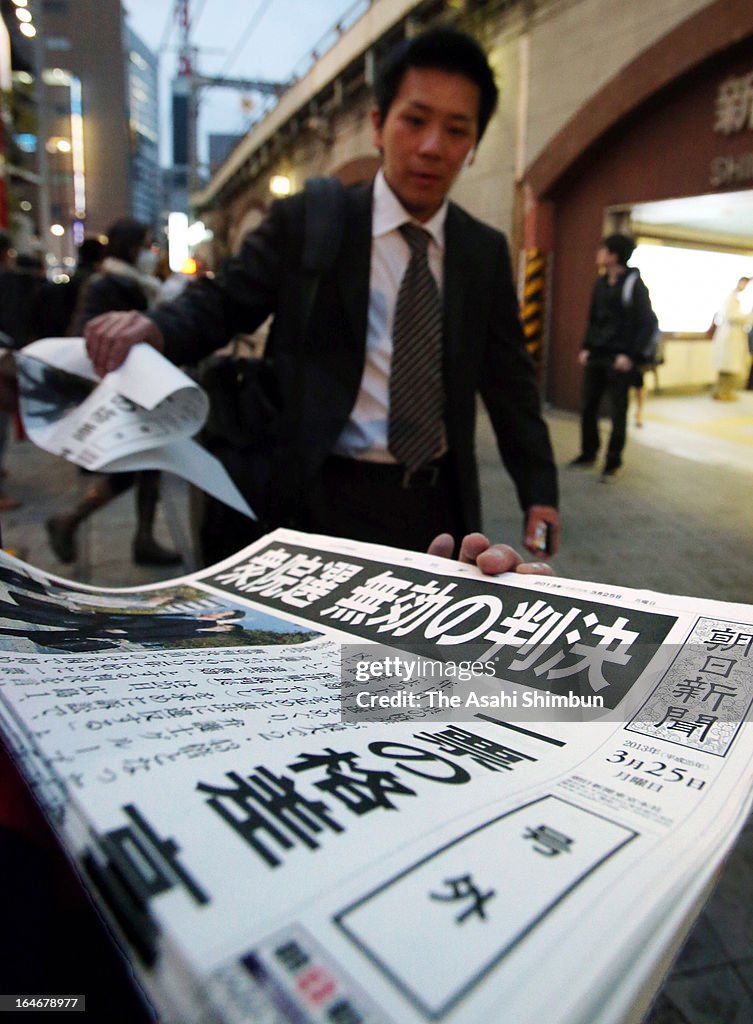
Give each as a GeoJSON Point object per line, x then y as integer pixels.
{"type": "Point", "coordinates": [600, 379]}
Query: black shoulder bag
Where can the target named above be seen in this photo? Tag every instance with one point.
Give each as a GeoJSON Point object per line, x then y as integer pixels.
{"type": "Point", "coordinates": [244, 428]}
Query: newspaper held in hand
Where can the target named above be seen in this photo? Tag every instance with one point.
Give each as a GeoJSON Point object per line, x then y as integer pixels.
{"type": "Point", "coordinates": [327, 781]}
{"type": "Point", "coordinates": [141, 416]}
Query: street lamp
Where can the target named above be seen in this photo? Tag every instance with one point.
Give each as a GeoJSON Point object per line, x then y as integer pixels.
{"type": "Point", "coordinates": [280, 185]}
{"type": "Point", "coordinates": [57, 144]}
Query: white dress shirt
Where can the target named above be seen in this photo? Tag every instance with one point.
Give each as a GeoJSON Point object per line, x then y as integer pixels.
{"type": "Point", "coordinates": [365, 434]}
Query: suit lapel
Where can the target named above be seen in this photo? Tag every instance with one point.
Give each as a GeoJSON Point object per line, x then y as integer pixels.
{"type": "Point", "coordinates": [456, 262]}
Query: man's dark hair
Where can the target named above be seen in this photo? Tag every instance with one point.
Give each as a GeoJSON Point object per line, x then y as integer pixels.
{"type": "Point", "coordinates": [5, 243]}
{"type": "Point", "coordinates": [90, 252]}
{"type": "Point", "coordinates": [441, 49]}
{"type": "Point", "coordinates": [29, 262]}
{"type": "Point", "coordinates": [623, 246]}
{"type": "Point", "coordinates": [124, 239]}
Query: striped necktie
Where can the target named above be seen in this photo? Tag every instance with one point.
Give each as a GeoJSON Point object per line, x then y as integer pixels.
{"type": "Point", "coordinates": [416, 394]}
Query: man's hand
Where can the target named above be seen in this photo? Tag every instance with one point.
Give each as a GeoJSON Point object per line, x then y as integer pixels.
{"type": "Point", "coordinates": [623, 363]}
{"type": "Point", "coordinates": [492, 559]}
{"type": "Point", "coordinates": [111, 336]}
{"type": "Point", "coordinates": [535, 516]}
{"type": "Point", "coordinates": [583, 356]}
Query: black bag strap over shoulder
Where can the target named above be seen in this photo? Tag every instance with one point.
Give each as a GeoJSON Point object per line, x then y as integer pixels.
{"type": "Point", "coordinates": [248, 430]}
{"type": "Point", "coordinates": [324, 219]}
{"type": "Point", "coordinates": [323, 224]}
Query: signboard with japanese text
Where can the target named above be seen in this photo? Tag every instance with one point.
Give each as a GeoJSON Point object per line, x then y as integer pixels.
{"type": "Point", "coordinates": [539, 642]}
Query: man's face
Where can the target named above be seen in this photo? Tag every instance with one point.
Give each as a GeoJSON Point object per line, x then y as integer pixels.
{"type": "Point", "coordinates": [428, 133]}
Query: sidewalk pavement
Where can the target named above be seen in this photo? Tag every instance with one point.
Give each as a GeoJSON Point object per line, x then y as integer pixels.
{"type": "Point", "coordinates": [677, 519]}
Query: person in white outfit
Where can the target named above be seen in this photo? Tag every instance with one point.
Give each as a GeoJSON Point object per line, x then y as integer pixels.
{"type": "Point", "coordinates": [729, 347]}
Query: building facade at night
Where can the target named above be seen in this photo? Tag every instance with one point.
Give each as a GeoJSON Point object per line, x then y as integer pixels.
{"type": "Point", "coordinates": [82, 145]}
{"type": "Point", "coordinates": [143, 129]}
{"type": "Point", "coordinates": [607, 112]}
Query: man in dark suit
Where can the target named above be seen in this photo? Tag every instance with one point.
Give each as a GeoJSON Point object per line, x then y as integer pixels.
{"type": "Point", "coordinates": [620, 327]}
{"type": "Point", "coordinates": [346, 421]}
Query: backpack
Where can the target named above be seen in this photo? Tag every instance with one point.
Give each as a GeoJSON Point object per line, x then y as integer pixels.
{"type": "Point", "coordinates": [650, 353]}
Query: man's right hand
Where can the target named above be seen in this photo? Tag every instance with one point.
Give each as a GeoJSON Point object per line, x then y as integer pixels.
{"type": "Point", "coordinates": [492, 559]}
{"type": "Point", "coordinates": [111, 336]}
{"type": "Point", "coordinates": [623, 363]}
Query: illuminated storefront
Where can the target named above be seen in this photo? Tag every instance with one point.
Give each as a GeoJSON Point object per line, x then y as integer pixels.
{"type": "Point", "coordinates": [664, 152]}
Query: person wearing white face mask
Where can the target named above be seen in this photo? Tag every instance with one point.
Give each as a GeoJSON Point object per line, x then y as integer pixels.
{"type": "Point", "coordinates": [147, 261]}
{"type": "Point", "coordinates": [124, 282]}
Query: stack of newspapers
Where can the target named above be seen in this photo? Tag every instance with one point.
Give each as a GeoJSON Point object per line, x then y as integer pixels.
{"type": "Point", "coordinates": [329, 781]}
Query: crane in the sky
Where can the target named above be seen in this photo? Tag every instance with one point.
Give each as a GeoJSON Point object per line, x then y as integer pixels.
{"type": "Point", "coordinates": [186, 89]}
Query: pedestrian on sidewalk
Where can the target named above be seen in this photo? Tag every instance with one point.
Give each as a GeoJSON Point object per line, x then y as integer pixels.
{"type": "Point", "coordinates": [56, 311]}
{"type": "Point", "coordinates": [621, 324]}
{"type": "Point", "coordinates": [416, 316]}
{"type": "Point", "coordinates": [729, 345]}
{"type": "Point", "coordinates": [20, 281]}
{"type": "Point", "coordinates": [125, 281]}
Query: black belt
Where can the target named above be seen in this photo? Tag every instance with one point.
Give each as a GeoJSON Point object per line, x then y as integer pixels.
{"type": "Point", "coordinates": [389, 472]}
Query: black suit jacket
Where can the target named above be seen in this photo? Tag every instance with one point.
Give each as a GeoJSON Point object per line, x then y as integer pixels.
{"type": "Point", "coordinates": [319, 365]}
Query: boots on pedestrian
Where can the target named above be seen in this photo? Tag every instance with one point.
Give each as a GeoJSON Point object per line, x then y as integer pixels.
{"type": "Point", "coordinates": [61, 533]}
{"type": "Point", "coordinates": [147, 551]}
{"type": "Point", "coordinates": [61, 529]}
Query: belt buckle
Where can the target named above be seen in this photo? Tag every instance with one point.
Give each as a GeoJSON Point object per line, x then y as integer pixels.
{"type": "Point", "coordinates": [428, 476]}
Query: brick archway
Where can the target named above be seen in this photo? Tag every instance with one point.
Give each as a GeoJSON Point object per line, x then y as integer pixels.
{"type": "Point", "coordinates": [251, 218]}
{"type": "Point", "coordinates": [647, 135]}
{"type": "Point", "coordinates": [707, 33]}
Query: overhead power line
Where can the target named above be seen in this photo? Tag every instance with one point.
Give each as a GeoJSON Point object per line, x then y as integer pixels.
{"type": "Point", "coordinates": [198, 12]}
{"type": "Point", "coordinates": [253, 22]}
{"type": "Point", "coordinates": [166, 32]}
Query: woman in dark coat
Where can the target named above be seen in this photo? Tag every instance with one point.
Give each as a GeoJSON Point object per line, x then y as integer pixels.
{"type": "Point", "coordinates": [125, 281]}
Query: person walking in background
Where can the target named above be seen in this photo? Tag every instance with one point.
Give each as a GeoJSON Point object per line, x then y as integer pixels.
{"type": "Point", "coordinates": [56, 310]}
{"type": "Point", "coordinates": [125, 281]}
{"type": "Point", "coordinates": [729, 345]}
{"type": "Point", "coordinates": [8, 388]}
{"type": "Point", "coordinates": [416, 316]}
{"type": "Point", "coordinates": [621, 324]}
{"type": "Point", "coordinates": [638, 385]}
{"type": "Point", "coordinates": [19, 288]}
